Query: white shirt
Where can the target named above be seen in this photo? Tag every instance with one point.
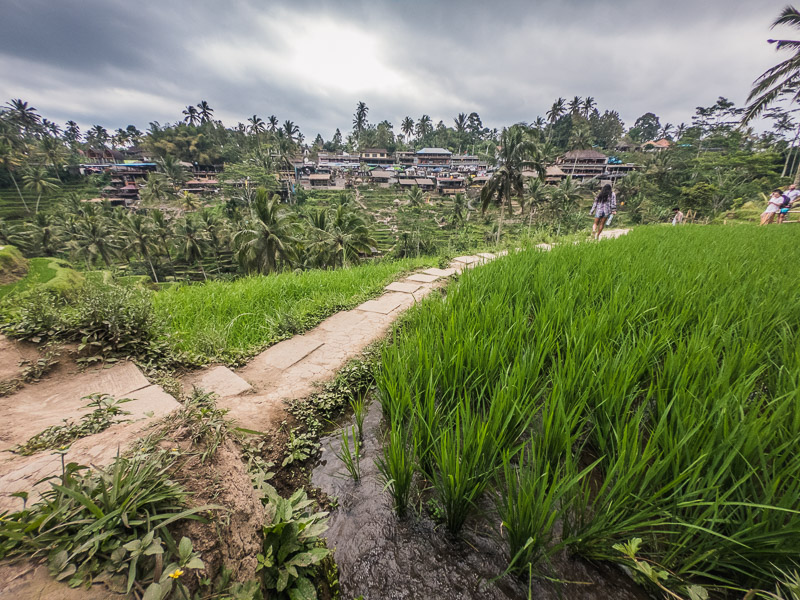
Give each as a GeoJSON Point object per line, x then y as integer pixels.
{"type": "Point", "coordinates": [792, 195]}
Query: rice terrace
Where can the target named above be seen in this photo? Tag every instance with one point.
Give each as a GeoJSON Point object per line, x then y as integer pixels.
{"type": "Point", "coordinates": [512, 348]}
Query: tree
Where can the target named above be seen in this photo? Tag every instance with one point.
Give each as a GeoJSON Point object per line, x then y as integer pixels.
{"type": "Point", "coordinates": [11, 161]}
{"type": "Point", "coordinates": [781, 80]}
{"type": "Point", "coordinates": [72, 133]}
{"type": "Point", "coordinates": [407, 127]}
{"type": "Point", "coordinates": [273, 123]}
{"type": "Point", "coordinates": [140, 239]}
{"type": "Point", "coordinates": [575, 105]}
{"type": "Point", "coordinates": [39, 182]}
{"type": "Point", "coordinates": [589, 105]}
{"type": "Point", "coordinates": [360, 120]}
{"type": "Point", "coordinates": [646, 128]}
{"type": "Point", "coordinates": [424, 126]}
{"type": "Point", "coordinates": [93, 238]}
{"type": "Point", "coordinates": [44, 235]}
{"type": "Point", "coordinates": [53, 149]}
{"type": "Point", "coordinates": [193, 242]}
{"type": "Point", "coordinates": [267, 238]}
{"type": "Point", "coordinates": [205, 111]}
{"type": "Point", "coordinates": [97, 137]}
{"type": "Point", "coordinates": [157, 189]}
{"type": "Point", "coordinates": [415, 196]}
{"type": "Point", "coordinates": [23, 115]}
{"type": "Point", "coordinates": [460, 123]}
{"type": "Point", "coordinates": [290, 130]}
{"type": "Point", "coordinates": [556, 111]}
{"type": "Point", "coordinates": [517, 150]}
{"type": "Point", "coordinates": [192, 115]}
{"type": "Point", "coordinates": [257, 125]}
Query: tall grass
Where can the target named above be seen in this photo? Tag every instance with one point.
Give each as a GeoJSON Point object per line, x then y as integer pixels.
{"type": "Point", "coordinates": [667, 360]}
{"type": "Point", "coordinates": [230, 320]}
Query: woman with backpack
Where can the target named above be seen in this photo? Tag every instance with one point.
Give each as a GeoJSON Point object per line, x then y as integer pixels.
{"type": "Point", "coordinates": [603, 207]}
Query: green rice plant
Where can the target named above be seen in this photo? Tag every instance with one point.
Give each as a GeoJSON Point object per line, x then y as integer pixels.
{"type": "Point", "coordinates": [666, 360]}
{"type": "Point", "coordinates": [359, 412]}
{"type": "Point", "coordinates": [533, 496]}
{"type": "Point", "coordinates": [396, 466]}
{"type": "Point", "coordinates": [350, 458]}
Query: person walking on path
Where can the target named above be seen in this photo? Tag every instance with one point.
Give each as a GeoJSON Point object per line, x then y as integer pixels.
{"type": "Point", "coordinates": [774, 205]}
{"type": "Point", "coordinates": [678, 216]}
{"type": "Point", "coordinates": [603, 207]}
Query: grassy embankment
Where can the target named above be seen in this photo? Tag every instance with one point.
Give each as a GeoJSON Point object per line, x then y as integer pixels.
{"type": "Point", "coordinates": [641, 388]}
{"type": "Point", "coordinates": [227, 321]}
{"type": "Point", "coordinates": [50, 273]}
{"type": "Point", "coordinates": [13, 207]}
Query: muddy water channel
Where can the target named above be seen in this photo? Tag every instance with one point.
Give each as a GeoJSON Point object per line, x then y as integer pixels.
{"type": "Point", "coordinates": [382, 558]}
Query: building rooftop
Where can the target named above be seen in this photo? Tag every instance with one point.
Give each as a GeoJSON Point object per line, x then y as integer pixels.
{"type": "Point", "coordinates": [441, 151]}
{"type": "Point", "coordinates": [584, 155]}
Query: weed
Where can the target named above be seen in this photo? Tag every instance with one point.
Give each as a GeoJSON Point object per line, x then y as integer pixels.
{"type": "Point", "coordinates": [358, 407]}
{"type": "Point", "coordinates": [396, 466]}
{"type": "Point", "coordinates": [105, 413]}
{"type": "Point", "coordinates": [350, 458]}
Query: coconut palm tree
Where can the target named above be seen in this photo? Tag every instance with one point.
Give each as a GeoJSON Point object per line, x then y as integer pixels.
{"type": "Point", "coordinates": [215, 231]}
{"type": "Point", "coordinates": [556, 111]}
{"type": "Point", "coordinates": [415, 196]}
{"type": "Point", "coordinates": [193, 242]}
{"type": "Point", "coordinates": [97, 136]}
{"type": "Point", "coordinates": [360, 120]}
{"type": "Point", "coordinates": [72, 133]}
{"type": "Point", "coordinates": [781, 80]}
{"type": "Point", "coordinates": [588, 106]}
{"type": "Point", "coordinates": [517, 150]}
{"type": "Point", "coordinates": [94, 238]}
{"type": "Point", "coordinates": [407, 126]}
{"type": "Point", "coordinates": [39, 182]}
{"type": "Point", "coordinates": [563, 198]}
{"type": "Point", "coordinates": [157, 189]}
{"type": "Point", "coordinates": [53, 149]}
{"type": "Point", "coordinates": [43, 235]}
{"type": "Point", "coordinates": [273, 123]}
{"type": "Point", "coordinates": [350, 236]}
{"type": "Point", "coordinates": [267, 238]}
{"type": "Point", "coordinates": [11, 162]}
{"type": "Point", "coordinates": [580, 139]}
{"type": "Point", "coordinates": [23, 115]}
{"type": "Point", "coordinates": [205, 111]}
{"type": "Point", "coordinates": [174, 170]}
{"type": "Point", "coordinates": [537, 194]}
{"type": "Point", "coordinates": [575, 105]}
{"type": "Point", "coordinates": [140, 239]}
{"type": "Point", "coordinates": [290, 130]}
{"type": "Point", "coordinates": [424, 126]}
{"type": "Point", "coordinates": [192, 116]}
{"type": "Point", "coordinates": [162, 232]}
{"type": "Point", "coordinates": [460, 123]}
{"type": "Point", "coordinates": [459, 208]}
{"type": "Point", "coordinates": [256, 127]}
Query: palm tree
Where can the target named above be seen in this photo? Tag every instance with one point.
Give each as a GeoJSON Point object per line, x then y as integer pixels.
{"type": "Point", "coordinates": [140, 239]}
{"type": "Point", "coordinates": [350, 236]}
{"type": "Point", "coordinates": [424, 126]}
{"type": "Point", "coordinates": [162, 232]}
{"type": "Point", "coordinates": [205, 111]}
{"type": "Point", "coordinates": [72, 133]}
{"type": "Point", "coordinates": [666, 131]}
{"type": "Point", "coordinates": [97, 135]}
{"type": "Point", "coordinates": [563, 198]}
{"type": "Point", "coordinates": [782, 79]}
{"type": "Point", "coordinates": [192, 116]}
{"type": "Point", "coordinates": [267, 238]}
{"type": "Point", "coordinates": [273, 123]}
{"type": "Point", "coordinates": [174, 170]}
{"type": "Point", "coordinates": [189, 202]}
{"type": "Point", "coordinates": [23, 115]}
{"type": "Point", "coordinates": [415, 196]}
{"type": "Point", "coordinates": [290, 130]}
{"type": "Point", "coordinates": [517, 150]}
{"type": "Point", "coordinates": [538, 194]}
{"type": "Point", "coordinates": [459, 208]}
{"type": "Point", "coordinates": [556, 111]}
{"type": "Point", "coordinates": [407, 126]}
{"type": "Point", "coordinates": [214, 230]}
{"type": "Point", "coordinates": [588, 106]}
{"type": "Point", "coordinates": [460, 123]}
{"type": "Point", "coordinates": [193, 242]}
{"type": "Point", "coordinates": [257, 127]}
{"type": "Point", "coordinates": [576, 105]}
{"type": "Point", "coordinates": [580, 139]}
{"type": "Point", "coordinates": [54, 151]}
{"type": "Point", "coordinates": [39, 182]}
{"type": "Point", "coordinates": [93, 238]}
{"type": "Point", "coordinates": [157, 189]}
{"type": "Point", "coordinates": [360, 120]}
{"type": "Point", "coordinates": [11, 161]}
{"type": "Point", "coordinates": [679, 131]}
{"type": "Point", "coordinates": [44, 235]}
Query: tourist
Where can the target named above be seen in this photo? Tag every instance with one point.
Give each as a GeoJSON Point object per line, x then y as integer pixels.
{"type": "Point", "coordinates": [677, 216]}
{"type": "Point", "coordinates": [603, 207]}
{"type": "Point", "coordinates": [774, 205]}
{"type": "Point", "coordinates": [789, 196]}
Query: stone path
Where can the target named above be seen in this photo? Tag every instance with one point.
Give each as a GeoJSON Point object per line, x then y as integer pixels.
{"type": "Point", "coordinates": [296, 367]}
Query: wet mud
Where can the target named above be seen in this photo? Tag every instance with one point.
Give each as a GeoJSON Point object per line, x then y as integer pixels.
{"type": "Point", "coordinates": [381, 557]}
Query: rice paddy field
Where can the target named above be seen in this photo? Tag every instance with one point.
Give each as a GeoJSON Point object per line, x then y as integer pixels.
{"type": "Point", "coordinates": [633, 401]}
{"type": "Point", "coordinates": [228, 321]}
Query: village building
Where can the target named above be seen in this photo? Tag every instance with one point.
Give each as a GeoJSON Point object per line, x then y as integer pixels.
{"type": "Point", "coordinates": [341, 160]}
{"type": "Point", "coordinates": [426, 184]}
{"type": "Point", "coordinates": [449, 185]}
{"type": "Point", "coordinates": [582, 164]}
{"type": "Point", "coordinates": [478, 181]}
{"type": "Point", "coordinates": [656, 145]}
{"type": "Point", "coordinates": [408, 159]}
{"type": "Point", "coordinates": [203, 186]}
{"type": "Point", "coordinates": [382, 177]}
{"type": "Point", "coordinates": [376, 156]}
{"type": "Point", "coordinates": [433, 157]}
{"type": "Point", "coordinates": [319, 180]}
{"type": "Point", "coordinates": [465, 162]}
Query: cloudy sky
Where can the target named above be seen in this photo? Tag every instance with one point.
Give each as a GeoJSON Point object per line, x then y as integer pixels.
{"type": "Point", "coordinates": [119, 62]}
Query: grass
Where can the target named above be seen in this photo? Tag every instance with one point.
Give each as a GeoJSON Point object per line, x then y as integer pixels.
{"type": "Point", "coordinates": [51, 273]}
{"type": "Point", "coordinates": [666, 360]}
{"type": "Point", "coordinates": [229, 321]}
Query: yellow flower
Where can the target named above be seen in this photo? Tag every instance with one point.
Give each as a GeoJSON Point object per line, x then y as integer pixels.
{"type": "Point", "coordinates": [176, 573]}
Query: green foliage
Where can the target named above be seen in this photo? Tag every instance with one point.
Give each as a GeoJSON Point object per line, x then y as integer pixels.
{"type": "Point", "coordinates": [107, 525]}
{"type": "Point", "coordinates": [291, 554]}
{"type": "Point", "coordinates": [396, 466]}
{"type": "Point", "coordinates": [669, 369]}
{"type": "Point", "coordinates": [351, 458]}
{"type": "Point", "coordinates": [105, 413]}
{"type": "Point", "coordinates": [45, 273]}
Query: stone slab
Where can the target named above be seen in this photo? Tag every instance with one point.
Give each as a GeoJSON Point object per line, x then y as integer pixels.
{"type": "Point", "coordinates": [224, 382]}
{"type": "Point", "coordinates": [422, 278]}
{"type": "Point", "coordinates": [467, 260]}
{"type": "Point", "coordinates": [545, 247]}
{"type": "Point", "coordinates": [406, 288]}
{"type": "Point", "coordinates": [487, 255]}
{"type": "Point", "coordinates": [288, 352]}
{"type": "Point", "coordinates": [344, 320]}
{"type": "Point", "coordinates": [439, 272]}
{"type": "Point", "coordinates": [502, 253]}
{"type": "Point", "coordinates": [383, 305]}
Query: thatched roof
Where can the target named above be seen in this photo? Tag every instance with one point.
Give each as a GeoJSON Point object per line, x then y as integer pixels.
{"type": "Point", "coordinates": [584, 155]}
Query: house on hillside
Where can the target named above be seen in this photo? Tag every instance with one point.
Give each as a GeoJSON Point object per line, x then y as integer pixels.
{"type": "Point", "coordinates": [426, 184]}
{"type": "Point", "coordinates": [381, 177]}
{"type": "Point", "coordinates": [433, 157]}
{"type": "Point", "coordinates": [449, 185]}
{"type": "Point", "coordinates": [656, 145]}
{"type": "Point", "coordinates": [582, 164]}
{"type": "Point", "coordinates": [319, 180]}
{"type": "Point", "coordinates": [407, 159]}
{"type": "Point", "coordinates": [376, 157]}
{"type": "Point", "coordinates": [465, 162]}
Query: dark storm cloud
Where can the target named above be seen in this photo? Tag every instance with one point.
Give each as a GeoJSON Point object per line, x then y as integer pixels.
{"type": "Point", "coordinates": [116, 63]}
